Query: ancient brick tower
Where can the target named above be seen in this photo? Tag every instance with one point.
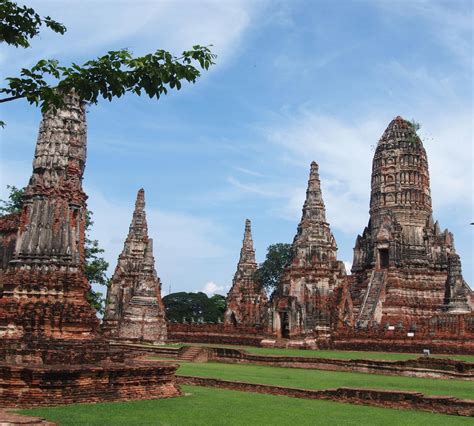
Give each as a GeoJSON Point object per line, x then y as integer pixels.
{"type": "Point", "coordinates": [246, 300]}
{"type": "Point", "coordinates": [50, 348]}
{"type": "Point", "coordinates": [304, 300]}
{"type": "Point", "coordinates": [43, 286]}
{"type": "Point", "coordinates": [134, 310]}
{"type": "Point", "coordinates": [405, 269]}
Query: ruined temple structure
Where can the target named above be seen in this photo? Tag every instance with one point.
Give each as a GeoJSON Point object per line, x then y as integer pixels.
{"type": "Point", "coordinates": [246, 300]}
{"type": "Point", "coordinates": [405, 269]}
{"type": "Point", "coordinates": [50, 348]}
{"type": "Point", "coordinates": [134, 310]}
{"type": "Point", "coordinates": [43, 282]}
{"type": "Point", "coordinates": [312, 296]}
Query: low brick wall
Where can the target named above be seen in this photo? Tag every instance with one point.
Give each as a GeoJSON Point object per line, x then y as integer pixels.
{"type": "Point", "coordinates": [215, 333]}
{"type": "Point", "coordinates": [403, 344]}
{"type": "Point", "coordinates": [442, 333]}
{"type": "Point", "coordinates": [374, 397]}
{"type": "Point", "coordinates": [31, 386]}
{"type": "Point", "coordinates": [421, 367]}
{"type": "Point", "coordinates": [135, 349]}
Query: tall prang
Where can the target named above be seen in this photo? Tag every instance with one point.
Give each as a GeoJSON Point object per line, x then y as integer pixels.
{"type": "Point", "coordinates": [43, 283]}
{"type": "Point", "coordinates": [304, 302]}
{"type": "Point", "coordinates": [134, 310]}
{"type": "Point", "coordinates": [246, 300]}
{"type": "Point", "coordinates": [405, 268]}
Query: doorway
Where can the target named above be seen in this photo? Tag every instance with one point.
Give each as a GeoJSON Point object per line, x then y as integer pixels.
{"type": "Point", "coordinates": [285, 325]}
{"type": "Point", "coordinates": [383, 258]}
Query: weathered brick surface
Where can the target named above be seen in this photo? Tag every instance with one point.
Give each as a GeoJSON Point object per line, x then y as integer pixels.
{"type": "Point", "coordinates": [30, 386]}
{"type": "Point", "coordinates": [374, 397]}
{"type": "Point", "coordinates": [405, 268]}
{"type": "Point", "coordinates": [8, 417]}
{"type": "Point", "coordinates": [43, 283]}
{"type": "Point", "coordinates": [50, 349]}
{"type": "Point", "coordinates": [304, 302]}
{"type": "Point", "coordinates": [443, 333]}
{"type": "Point", "coordinates": [8, 229]}
{"type": "Point", "coordinates": [246, 300]}
{"type": "Point", "coordinates": [215, 333]}
{"type": "Point", "coordinates": [134, 310]}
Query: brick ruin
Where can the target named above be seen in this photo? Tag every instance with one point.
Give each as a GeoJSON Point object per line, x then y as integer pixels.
{"type": "Point", "coordinates": [246, 300]}
{"type": "Point", "coordinates": [43, 282]}
{"type": "Point", "coordinates": [50, 348]}
{"type": "Point", "coordinates": [405, 269]}
{"type": "Point", "coordinates": [134, 310]}
{"type": "Point", "coordinates": [312, 295]}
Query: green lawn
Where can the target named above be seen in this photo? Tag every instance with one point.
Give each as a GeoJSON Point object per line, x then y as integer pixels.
{"type": "Point", "coordinates": [336, 354]}
{"type": "Point", "coordinates": [320, 379]}
{"type": "Point", "coordinates": [205, 406]}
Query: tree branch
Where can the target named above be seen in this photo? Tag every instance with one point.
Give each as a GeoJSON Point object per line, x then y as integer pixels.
{"type": "Point", "coordinates": [12, 98]}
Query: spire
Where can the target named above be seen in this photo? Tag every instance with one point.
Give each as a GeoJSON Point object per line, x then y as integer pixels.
{"type": "Point", "coordinates": [245, 299]}
{"type": "Point", "coordinates": [138, 227]}
{"type": "Point", "coordinates": [133, 307]}
{"type": "Point", "coordinates": [313, 208]}
{"type": "Point", "coordinates": [314, 235]}
{"type": "Point", "coordinates": [54, 202]}
{"type": "Point", "coordinates": [247, 253]}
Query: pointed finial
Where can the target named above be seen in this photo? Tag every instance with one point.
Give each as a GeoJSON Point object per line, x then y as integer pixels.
{"type": "Point", "coordinates": [314, 171]}
{"type": "Point", "coordinates": [140, 202]}
{"type": "Point", "coordinates": [248, 225]}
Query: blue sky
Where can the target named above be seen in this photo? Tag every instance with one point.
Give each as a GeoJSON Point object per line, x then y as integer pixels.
{"type": "Point", "coordinates": [295, 81]}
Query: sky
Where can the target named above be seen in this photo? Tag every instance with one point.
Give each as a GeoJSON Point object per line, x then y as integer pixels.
{"type": "Point", "coordinates": [294, 81]}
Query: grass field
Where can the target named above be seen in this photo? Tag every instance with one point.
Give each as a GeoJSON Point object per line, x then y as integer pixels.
{"type": "Point", "coordinates": [205, 406]}
{"type": "Point", "coordinates": [320, 379]}
{"type": "Point", "coordinates": [395, 356]}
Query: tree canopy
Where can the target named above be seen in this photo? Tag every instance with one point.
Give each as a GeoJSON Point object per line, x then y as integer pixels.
{"type": "Point", "coordinates": [109, 76]}
{"type": "Point", "coordinates": [19, 24]}
{"type": "Point", "coordinates": [269, 273]}
{"type": "Point", "coordinates": [185, 307]}
{"type": "Point", "coordinates": [14, 203]}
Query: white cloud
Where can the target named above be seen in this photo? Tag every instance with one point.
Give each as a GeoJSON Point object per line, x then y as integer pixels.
{"type": "Point", "coordinates": [450, 22]}
{"type": "Point", "coordinates": [211, 288]}
{"type": "Point", "coordinates": [94, 27]}
{"type": "Point", "coordinates": [343, 152]}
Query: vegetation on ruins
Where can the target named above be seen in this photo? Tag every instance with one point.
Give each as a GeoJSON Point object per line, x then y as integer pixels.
{"type": "Point", "coordinates": [108, 76]}
{"type": "Point", "coordinates": [185, 307]}
{"type": "Point", "coordinates": [268, 273]}
{"type": "Point", "coordinates": [95, 265]}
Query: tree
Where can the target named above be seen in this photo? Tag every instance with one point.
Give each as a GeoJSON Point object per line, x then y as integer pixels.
{"type": "Point", "coordinates": [185, 307]}
{"type": "Point", "coordinates": [19, 24]}
{"type": "Point", "coordinates": [108, 76]}
{"type": "Point", "coordinates": [269, 273]}
{"type": "Point", "coordinates": [14, 203]}
{"type": "Point", "coordinates": [95, 267]}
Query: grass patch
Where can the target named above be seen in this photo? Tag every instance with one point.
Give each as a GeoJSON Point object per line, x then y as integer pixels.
{"type": "Point", "coordinates": [320, 379]}
{"type": "Point", "coordinates": [205, 406]}
{"type": "Point", "coordinates": [387, 356]}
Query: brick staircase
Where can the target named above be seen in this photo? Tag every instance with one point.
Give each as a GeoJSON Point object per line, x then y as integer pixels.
{"type": "Point", "coordinates": [371, 299]}
{"type": "Point", "coordinates": [190, 353]}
